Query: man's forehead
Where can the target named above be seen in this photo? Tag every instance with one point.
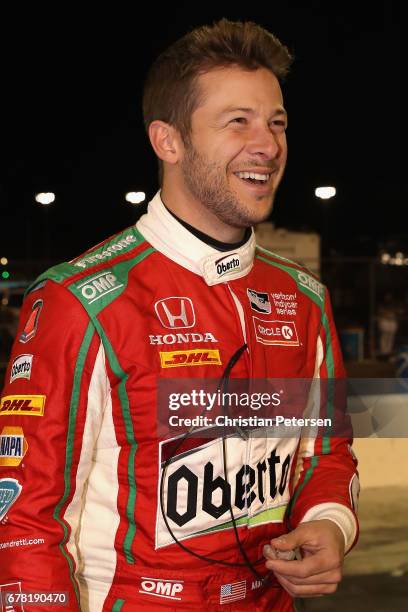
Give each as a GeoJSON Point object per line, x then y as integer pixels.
{"type": "Point", "coordinates": [228, 88]}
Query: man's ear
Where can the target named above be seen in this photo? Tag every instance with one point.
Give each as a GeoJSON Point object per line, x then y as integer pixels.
{"type": "Point", "coordinates": [165, 141]}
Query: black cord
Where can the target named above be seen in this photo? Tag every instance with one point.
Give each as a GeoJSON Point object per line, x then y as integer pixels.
{"type": "Point", "coordinates": [223, 385]}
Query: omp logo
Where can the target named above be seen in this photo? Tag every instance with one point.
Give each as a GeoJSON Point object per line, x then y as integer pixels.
{"type": "Point", "coordinates": [30, 328]}
{"type": "Point", "coordinates": [98, 286]}
{"type": "Point", "coordinates": [175, 359]}
{"type": "Point", "coordinates": [175, 312]}
{"type": "Point", "coordinates": [281, 333]}
{"type": "Point", "coordinates": [312, 284]}
{"type": "Point", "coordinates": [30, 405]}
{"type": "Point", "coordinates": [109, 251]}
{"type": "Point", "coordinates": [228, 264]}
{"type": "Point", "coordinates": [182, 338]}
{"type": "Point", "coordinates": [13, 446]}
{"type": "Point", "coordinates": [10, 489]}
{"type": "Point", "coordinates": [21, 367]}
{"type": "Point", "coordinates": [168, 589]}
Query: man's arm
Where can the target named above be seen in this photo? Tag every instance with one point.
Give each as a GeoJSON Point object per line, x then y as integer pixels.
{"type": "Point", "coordinates": [322, 510]}
{"type": "Point", "coordinates": [50, 416]}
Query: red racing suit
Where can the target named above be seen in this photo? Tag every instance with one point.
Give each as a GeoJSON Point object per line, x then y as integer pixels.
{"type": "Point", "coordinates": [81, 460]}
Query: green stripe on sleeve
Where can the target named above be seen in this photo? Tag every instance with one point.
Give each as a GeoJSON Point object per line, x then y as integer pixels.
{"type": "Point", "coordinates": [130, 437]}
{"type": "Point", "coordinates": [73, 411]}
{"type": "Point", "coordinates": [313, 463]}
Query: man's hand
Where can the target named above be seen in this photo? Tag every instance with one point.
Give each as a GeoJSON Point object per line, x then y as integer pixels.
{"type": "Point", "coordinates": [319, 571]}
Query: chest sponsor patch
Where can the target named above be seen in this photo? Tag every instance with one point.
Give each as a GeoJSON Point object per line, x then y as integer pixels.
{"type": "Point", "coordinates": [96, 287]}
{"type": "Point", "coordinates": [175, 312]}
{"type": "Point", "coordinates": [199, 357]}
{"type": "Point", "coordinates": [10, 489]}
{"type": "Point", "coordinates": [13, 446]}
{"type": "Point", "coordinates": [29, 405]}
{"type": "Point", "coordinates": [227, 265]}
{"type": "Point", "coordinates": [185, 338]}
{"type": "Point", "coordinates": [197, 497]}
{"type": "Point", "coordinates": [30, 328]}
{"type": "Point", "coordinates": [107, 251]}
{"type": "Point", "coordinates": [286, 304]}
{"type": "Point", "coordinates": [278, 333]}
{"type": "Point", "coordinates": [166, 589]}
{"type": "Point", "coordinates": [259, 301]}
{"type": "Point", "coordinates": [21, 367]}
{"type": "Point", "coordinates": [311, 284]}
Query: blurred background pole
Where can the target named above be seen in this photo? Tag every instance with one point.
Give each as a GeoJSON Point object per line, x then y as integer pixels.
{"type": "Point", "coordinates": [325, 193]}
{"type": "Point", "coordinates": [46, 199]}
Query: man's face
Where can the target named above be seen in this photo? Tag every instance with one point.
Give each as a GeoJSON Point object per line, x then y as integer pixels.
{"type": "Point", "coordinates": [237, 153]}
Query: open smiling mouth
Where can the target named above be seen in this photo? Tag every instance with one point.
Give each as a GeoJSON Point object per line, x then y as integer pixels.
{"type": "Point", "coordinates": [254, 178]}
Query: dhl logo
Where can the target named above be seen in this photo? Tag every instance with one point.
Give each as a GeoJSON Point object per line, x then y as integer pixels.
{"type": "Point", "coordinates": [30, 405]}
{"type": "Point", "coordinates": [175, 359]}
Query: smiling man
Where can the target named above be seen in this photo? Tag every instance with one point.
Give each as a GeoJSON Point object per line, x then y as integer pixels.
{"type": "Point", "coordinates": [106, 508]}
{"type": "Point", "coordinates": [223, 176]}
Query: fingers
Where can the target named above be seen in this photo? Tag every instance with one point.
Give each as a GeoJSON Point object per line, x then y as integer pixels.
{"type": "Point", "coordinates": [272, 553]}
{"type": "Point", "coordinates": [305, 590]}
{"type": "Point", "coordinates": [307, 567]}
{"type": "Point", "coordinates": [330, 577]}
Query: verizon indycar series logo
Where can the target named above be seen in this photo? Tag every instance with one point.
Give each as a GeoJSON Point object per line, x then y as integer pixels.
{"type": "Point", "coordinates": [278, 333]}
{"type": "Point", "coordinates": [21, 367]}
{"type": "Point", "coordinates": [259, 301]}
{"type": "Point", "coordinates": [175, 312]}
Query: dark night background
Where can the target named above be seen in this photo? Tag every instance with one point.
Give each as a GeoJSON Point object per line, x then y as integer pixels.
{"type": "Point", "coordinates": [71, 120]}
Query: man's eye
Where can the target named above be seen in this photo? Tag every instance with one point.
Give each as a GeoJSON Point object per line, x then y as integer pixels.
{"type": "Point", "coordinates": [238, 120]}
{"type": "Point", "coordinates": [279, 124]}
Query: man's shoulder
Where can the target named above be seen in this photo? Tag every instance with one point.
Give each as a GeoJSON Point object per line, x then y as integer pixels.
{"type": "Point", "coordinates": [99, 271]}
{"type": "Point", "coordinates": [306, 281]}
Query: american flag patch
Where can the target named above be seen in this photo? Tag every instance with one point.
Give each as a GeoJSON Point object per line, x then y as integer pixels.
{"type": "Point", "coordinates": [232, 592]}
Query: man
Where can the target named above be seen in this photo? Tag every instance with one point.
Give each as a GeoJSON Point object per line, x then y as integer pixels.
{"type": "Point", "coordinates": [102, 507]}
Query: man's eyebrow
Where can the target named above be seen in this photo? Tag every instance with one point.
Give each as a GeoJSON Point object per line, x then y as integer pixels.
{"type": "Point", "coordinates": [242, 109]}
{"type": "Point", "coordinates": [233, 109]}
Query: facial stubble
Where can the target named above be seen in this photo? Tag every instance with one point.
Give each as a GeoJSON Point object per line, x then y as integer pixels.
{"type": "Point", "coordinates": [207, 182]}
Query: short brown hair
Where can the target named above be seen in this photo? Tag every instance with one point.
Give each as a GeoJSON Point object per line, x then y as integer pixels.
{"type": "Point", "coordinates": [171, 93]}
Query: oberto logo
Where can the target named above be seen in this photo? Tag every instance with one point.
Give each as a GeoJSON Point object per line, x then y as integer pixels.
{"type": "Point", "coordinates": [228, 265]}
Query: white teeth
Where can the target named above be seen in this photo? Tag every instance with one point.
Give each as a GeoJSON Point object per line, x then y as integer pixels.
{"type": "Point", "coordinates": [253, 175]}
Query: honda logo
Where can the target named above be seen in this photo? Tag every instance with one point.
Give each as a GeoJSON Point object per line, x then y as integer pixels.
{"type": "Point", "coordinates": [175, 312]}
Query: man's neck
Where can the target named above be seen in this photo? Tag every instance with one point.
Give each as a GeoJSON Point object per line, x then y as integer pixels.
{"type": "Point", "coordinates": [216, 244]}
{"type": "Point", "coordinates": [192, 212]}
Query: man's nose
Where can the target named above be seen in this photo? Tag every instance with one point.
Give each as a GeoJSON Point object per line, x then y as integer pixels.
{"type": "Point", "coordinates": [264, 142]}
